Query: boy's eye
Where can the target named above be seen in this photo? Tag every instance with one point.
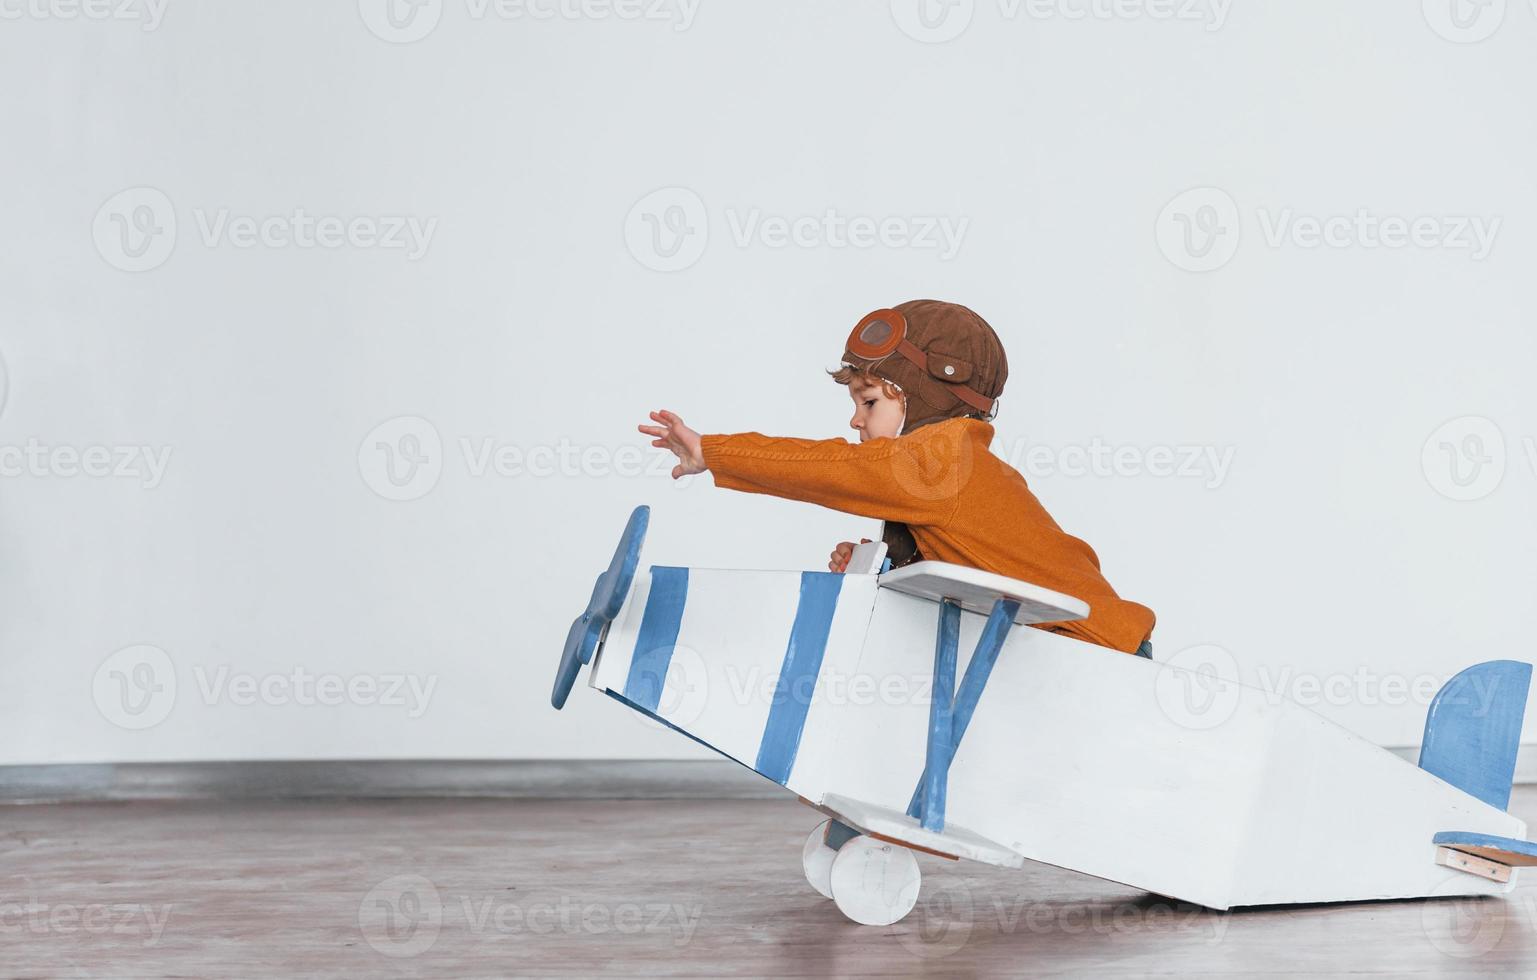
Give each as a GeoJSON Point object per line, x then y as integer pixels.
{"type": "Point", "coordinates": [869, 402]}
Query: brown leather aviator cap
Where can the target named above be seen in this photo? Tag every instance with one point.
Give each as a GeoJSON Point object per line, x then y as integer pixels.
{"type": "Point", "coordinates": [945, 358]}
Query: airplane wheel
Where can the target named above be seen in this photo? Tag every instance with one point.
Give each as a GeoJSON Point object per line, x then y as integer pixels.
{"type": "Point", "coordinates": [874, 882]}
{"type": "Point", "coordinates": [817, 860]}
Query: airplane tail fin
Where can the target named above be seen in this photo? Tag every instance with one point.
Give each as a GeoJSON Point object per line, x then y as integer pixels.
{"type": "Point", "coordinates": [1473, 729]}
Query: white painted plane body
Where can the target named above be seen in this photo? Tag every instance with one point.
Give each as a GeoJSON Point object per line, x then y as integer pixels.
{"type": "Point", "coordinates": [1190, 787]}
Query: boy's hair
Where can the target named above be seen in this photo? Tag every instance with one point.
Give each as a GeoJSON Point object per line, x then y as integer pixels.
{"type": "Point", "coordinates": [848, 374]}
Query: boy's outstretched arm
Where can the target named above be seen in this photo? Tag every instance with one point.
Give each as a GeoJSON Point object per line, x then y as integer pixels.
{"type": "Point", "coordinates": [914, 479]}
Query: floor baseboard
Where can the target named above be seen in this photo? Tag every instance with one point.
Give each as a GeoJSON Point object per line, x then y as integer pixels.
{"type": "Point", "coordinates": [632, 779]}
{"type": "Point", "coordinates": [384, 779]}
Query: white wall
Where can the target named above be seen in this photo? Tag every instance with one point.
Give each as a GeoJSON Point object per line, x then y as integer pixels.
{"type": "Point", "coordinates": [533, 320]}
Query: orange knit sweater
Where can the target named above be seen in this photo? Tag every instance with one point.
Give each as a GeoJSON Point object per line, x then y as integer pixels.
{"type": "Point", "coordinates": [962, 503]}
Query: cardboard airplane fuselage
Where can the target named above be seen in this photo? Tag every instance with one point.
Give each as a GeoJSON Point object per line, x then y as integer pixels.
{"type": "Point", "coordinates": [1174, 781]}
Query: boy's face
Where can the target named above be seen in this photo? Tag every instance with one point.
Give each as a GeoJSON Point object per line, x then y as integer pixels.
{"type": "Point", "coordinates": [876, 415]}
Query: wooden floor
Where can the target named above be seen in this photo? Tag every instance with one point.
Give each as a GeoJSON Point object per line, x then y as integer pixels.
{"type": "Point", "coordinates": [582, 888]}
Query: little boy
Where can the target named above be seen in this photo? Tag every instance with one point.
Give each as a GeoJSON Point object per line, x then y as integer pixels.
{"type": "Point", "coordinates": [925, 379]}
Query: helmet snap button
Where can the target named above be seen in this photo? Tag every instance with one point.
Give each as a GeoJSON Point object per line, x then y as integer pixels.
{"type": "Point", "coordinates": [949, 368]}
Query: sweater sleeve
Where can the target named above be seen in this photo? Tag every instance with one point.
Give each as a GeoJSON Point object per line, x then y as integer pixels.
{"type": "Point", "coordinates": [914, 479]}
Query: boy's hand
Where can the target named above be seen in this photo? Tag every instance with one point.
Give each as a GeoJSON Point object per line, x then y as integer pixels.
{"type": "Point", "coordinates": [842, 554]}
{"type": "Point", "coordinates": [674, 435]}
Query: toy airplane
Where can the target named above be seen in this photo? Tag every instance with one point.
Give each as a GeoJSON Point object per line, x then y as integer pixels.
{"type": "Point", "coordinates": [1050, 749]}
